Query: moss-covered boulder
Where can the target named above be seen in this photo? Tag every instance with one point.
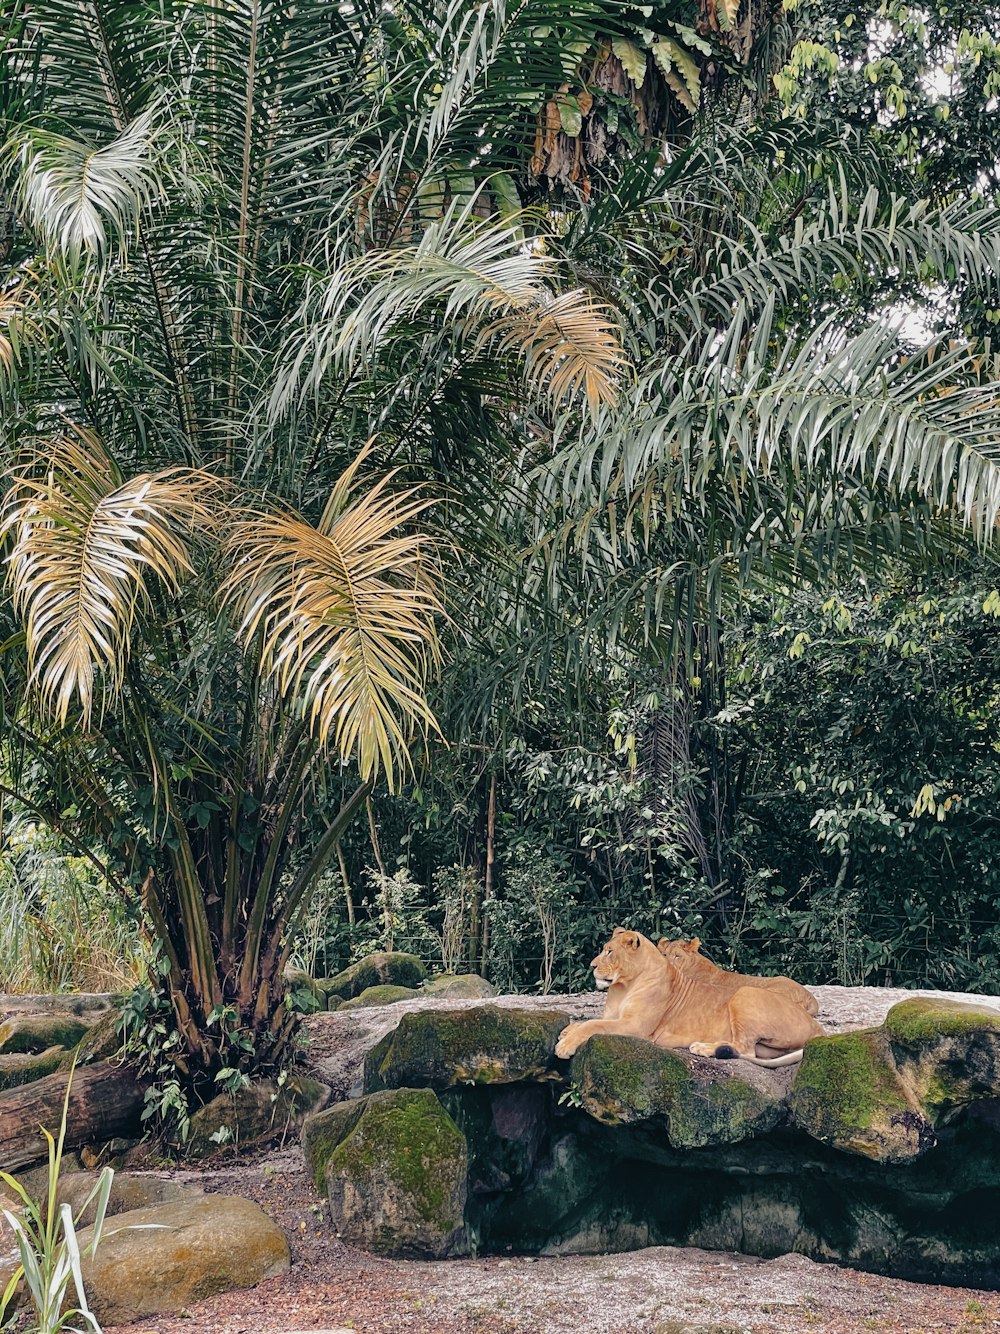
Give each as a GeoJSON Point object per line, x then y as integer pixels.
{"type": "Point", "coordinates": [394, 968]}
{"type": "Point", "coordinates": [849, 1094]}
{"type": "Point", "coordinates": [25, 1069]}
{"type": "Point", "coordinates": [947, 1051]}
{"type": "Point", "coordinates": [459, 986]}
{"type": "Point", "coordinates": [488, 1044]}
{"type": "Point", "coordinates": [385, 994]}
{"type": "Point", "coordinates": [621, 1081]}
{"type": "Point", "coordinates": [34, 1033]}
{"type": "Point", "coordinates": [254, 1115]}
{"type": "Point", "coordinates": [397, 1182]}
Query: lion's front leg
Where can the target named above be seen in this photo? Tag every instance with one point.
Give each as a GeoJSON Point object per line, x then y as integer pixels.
{"type": "Point", "coordinates": [573, 1036]}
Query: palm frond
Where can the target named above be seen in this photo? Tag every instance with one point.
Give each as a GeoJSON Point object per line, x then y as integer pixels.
{"type": "Point", "coordinates": [345, 613]}
{"type": "Point", "coordinates": [84, 198]}
{"type": "Point", "coordinates": [481, 277]}
{"type": "Point", "coordinates": [86, 545]}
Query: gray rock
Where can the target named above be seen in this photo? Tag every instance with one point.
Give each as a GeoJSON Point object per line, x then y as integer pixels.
{"type": "Point", "coordinates": [394, 968]}
{"type": "Point", "coordinates": [34, 1033]}
{"type": "Point", "coordinates": [25, 1069]}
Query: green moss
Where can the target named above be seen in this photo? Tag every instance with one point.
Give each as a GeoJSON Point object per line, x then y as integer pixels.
{"type": "Point", "coordinates": [323, 1133]}
{"type": "Point", "coordinates": [463, 986]}
{"type": "Point", "coordinates": [485, 1045]}
{"type": "Point", "coordinates": [923, 1019]}
{"type": "Point", "coordinates": [99, 1042]}
{"type": "Point", "coordinates": [21, 1069]}
{"type": "Point", "coordinates": [384, 994]}
{"type": "Point", "coordinates": [849, 1077]}
{"type": "Point", "coordinates": [407, 1136]}
{"type": "Point", "coordinates": [621, 1080]}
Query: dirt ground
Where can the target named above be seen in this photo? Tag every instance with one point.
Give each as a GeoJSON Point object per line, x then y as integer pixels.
{"type": "Point", "coordinates": [332, 1287]}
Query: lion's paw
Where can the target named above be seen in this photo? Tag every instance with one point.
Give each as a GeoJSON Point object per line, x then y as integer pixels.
{"type": "Point", "coordinates": [565, 1047]}
{"type": "Point", "coordinates": [703, 1048]}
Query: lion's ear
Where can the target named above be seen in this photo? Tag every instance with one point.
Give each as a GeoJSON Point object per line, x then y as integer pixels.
{"type": "Point", "coordinates": [694, 945]}
{"type": "Point", "coordinates": [632, 939]}
{"type": "Point", "coordinates": [618, 931]}
{"type": "Point", "coordinates": [663, 944]}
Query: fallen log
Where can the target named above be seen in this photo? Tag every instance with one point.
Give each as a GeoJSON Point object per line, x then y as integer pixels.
{"type": "Point", "coordinates": [106, 1100]}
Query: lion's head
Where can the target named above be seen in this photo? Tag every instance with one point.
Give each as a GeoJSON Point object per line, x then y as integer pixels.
{"type": "Point", "coordinates": [619, 960]}
{"type": "Point", "coordinates": [681, 953]}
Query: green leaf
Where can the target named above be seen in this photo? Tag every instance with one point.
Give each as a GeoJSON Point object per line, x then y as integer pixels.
{"type": "Point", "coordinates": [633, 59]}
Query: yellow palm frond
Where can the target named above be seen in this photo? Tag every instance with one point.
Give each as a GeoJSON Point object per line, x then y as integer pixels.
{"type": "Point", "coordinates": [345, 613]}
{"type": "Point", "coordinates": [568, 343]}
{"type": "Point", "coordinates": [85, 544]}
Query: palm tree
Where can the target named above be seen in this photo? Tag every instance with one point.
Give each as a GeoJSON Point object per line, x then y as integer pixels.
{"type": "Point", "coordinates": [256, 249]}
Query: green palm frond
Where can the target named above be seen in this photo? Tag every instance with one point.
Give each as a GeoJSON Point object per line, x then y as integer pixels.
{"type": "Point", "coordinates": [345, 614]}
{"type": "Point", "coordinates": [86, 545]}
{"type": "Point", "coordinates": [479, 277]}
{"type": "Point", "coordinates": [85, 198]}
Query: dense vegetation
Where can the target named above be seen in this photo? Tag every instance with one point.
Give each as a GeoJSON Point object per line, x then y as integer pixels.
{"type": "Point", "coordinates": [679, 607]}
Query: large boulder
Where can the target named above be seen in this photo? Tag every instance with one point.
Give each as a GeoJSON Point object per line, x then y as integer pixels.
{"type": "Point", "coordinates": [397, 1181]}
{"type": "Point", "coordinates": [849, 1094]}
{"type": "Point", "coordinates": [394, 968]}
{"type": "Point", "coordinates": [459, 986]}
{"type": "Point", "coordinates": [695, 1101]}
{"type": "Point", "coordinates": [384, 994]}
{"type": "Point", "coordinates": [487, 1044]}
{"type": "Point", "coordinates": [165, 1257]}
{"type": "Point", "coordinates": [21, 1069]}
{"type": "Point", "coordinates": [34, 1033]}
{"type": "Point", "coordinates": [254, 1115]}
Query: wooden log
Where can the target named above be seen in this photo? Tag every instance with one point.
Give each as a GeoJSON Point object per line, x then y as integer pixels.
{"type": "Point", "coordinates": [106, 1100]}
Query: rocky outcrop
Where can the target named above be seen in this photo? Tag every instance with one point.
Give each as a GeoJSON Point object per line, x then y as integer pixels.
{"type": "Point", "coordinates": [881, 1149]}
{"type": "Point", "coordinates": [395, 1168]}
{"type": "Point", "coordinates": [394, 968]}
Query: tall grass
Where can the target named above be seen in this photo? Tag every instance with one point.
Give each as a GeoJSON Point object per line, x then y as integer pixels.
{"type": "Point", "coordinates": [61, 927]}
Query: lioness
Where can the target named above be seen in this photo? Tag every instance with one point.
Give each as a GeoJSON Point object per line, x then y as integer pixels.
{"type": "Point", "coordinates": [685, 955]}
{"type": "Point", "coordinates": [649, 997]}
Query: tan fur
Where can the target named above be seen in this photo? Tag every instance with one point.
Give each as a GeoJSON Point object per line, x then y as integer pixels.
{"type": "Point", "coordinates": [649, 997]}
{"type": "Point", "coordinates": [685, 955]}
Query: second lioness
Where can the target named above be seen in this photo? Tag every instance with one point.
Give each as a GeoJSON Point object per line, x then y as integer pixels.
{"type": "Point", "coordinates": [648, 997]}
{"type": "Point", "coordinates": [686, 955]}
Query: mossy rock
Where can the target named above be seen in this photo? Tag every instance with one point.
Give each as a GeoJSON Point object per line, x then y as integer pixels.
{"type": "Point", "coordinates": [395, 969]}
{"type": "Point", "coordinates": [385, 994]}
{"type": "Point", "coordinates": [304, 992]}
{"type": "Point", "coordinates": [397, 1182]}
{"type": "Point", "coordinates": [325, 1131]}
{"type": "Point", "coordinates": [849, 1094]}
{"type": "Point", "coordinates": [459, 986]}
{"type": "Point", "coordinates": [253, 1115]}
{"type": "Point", "coordinates": [948, 1051]}
{"type": "Point", "coordinates": [29, 1034]}
{"type": "Point", "coordinates": [484, 1045]}
{"type": "Point", "coordinates": [19, 1069]}
{"type": "Point", "coordinates": [621, 1081]}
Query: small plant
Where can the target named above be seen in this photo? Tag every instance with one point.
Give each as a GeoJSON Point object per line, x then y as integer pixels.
{"type": "Point", "coordinates": [48, 1246]}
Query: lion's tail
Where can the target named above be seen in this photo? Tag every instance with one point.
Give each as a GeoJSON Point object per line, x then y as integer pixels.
{"type": "Point", "coordinates": [730, 1053]}
{"type": "Point", "coordinates": [789, 1058]}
